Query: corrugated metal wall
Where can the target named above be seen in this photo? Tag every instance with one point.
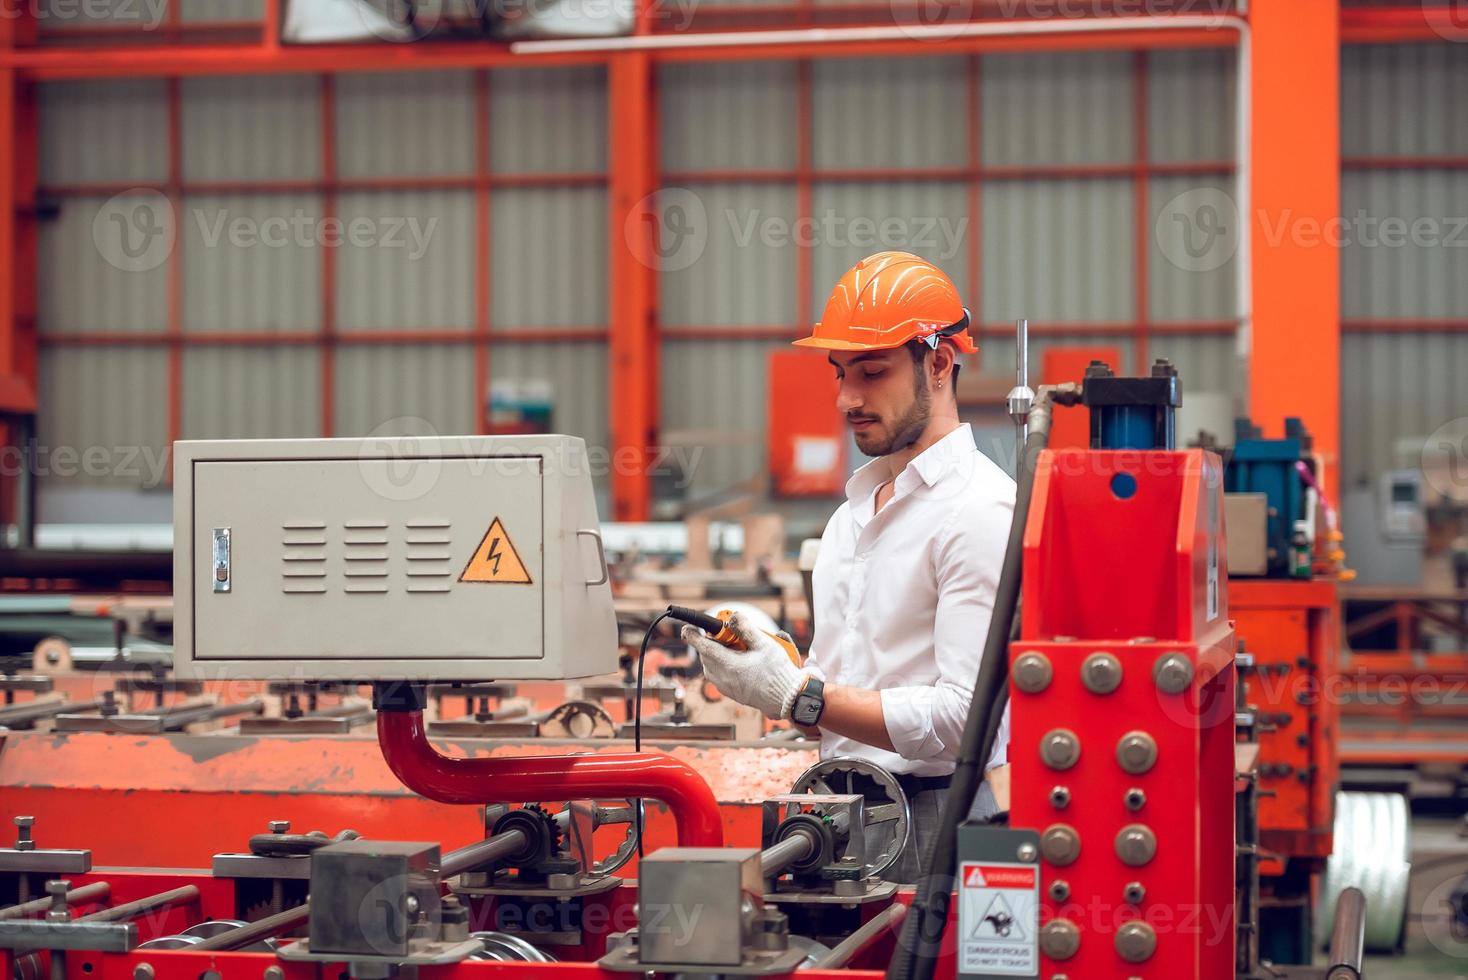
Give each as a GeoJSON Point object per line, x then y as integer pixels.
{"type": "Point", "coordinates": [1058, 249]}
{"type": "Point", "coordinates": [1055, 250]}
{"type": "Point", "coordinates": [249, 232]}
{"type": "Point", "coordinates": [1398, 384]}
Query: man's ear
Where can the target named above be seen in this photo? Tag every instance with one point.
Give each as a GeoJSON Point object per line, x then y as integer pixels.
{"type": "Point", "coordinates": [944, 357]}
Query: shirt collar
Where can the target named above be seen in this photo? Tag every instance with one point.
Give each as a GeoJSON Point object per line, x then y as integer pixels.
{"type": "Point", "coordinates": [928, 468]}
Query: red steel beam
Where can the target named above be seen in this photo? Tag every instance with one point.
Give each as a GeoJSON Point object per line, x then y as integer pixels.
{"type": "Point", "coordinates": [322, 185]}
{"type": "Point", "coordinates": [327, 353]}
{"type": "Point", "coordinates": [633, 242]}
{"type": "Point", "coordinates": [975, 189]}
{"type": "Point", "coordinates": [134, 61]}
{"type": "Point", "coordinates": [1391, 24]}
{"type": "Point", "coordinates": [804, 176]}
{"type": "Point", "coordinates": [1141, 226]}
{"type": "Point", "coordinates": [1444, 325]}
{"type": "Point", "coordinates": [174, 193]}
{"type": "Point", "coordinates": [1295, 170]}
{"type": "Point", "coordinates": [482, 254]}
{"type": "Point", "coordinates": [778, 331]}
{"type": "Point", "coordinates": [226, 338]}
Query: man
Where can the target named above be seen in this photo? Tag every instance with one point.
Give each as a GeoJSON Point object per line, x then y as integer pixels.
{"type": "Point", "coordinates": [908, 567]}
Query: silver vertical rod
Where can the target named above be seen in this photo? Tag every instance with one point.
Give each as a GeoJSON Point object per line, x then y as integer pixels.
{"type": "Point", "coordinates": [1021, 397]}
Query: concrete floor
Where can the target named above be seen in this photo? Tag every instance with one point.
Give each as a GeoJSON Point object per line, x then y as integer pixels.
{"type": "Point", "coordinates": [1440, 857]}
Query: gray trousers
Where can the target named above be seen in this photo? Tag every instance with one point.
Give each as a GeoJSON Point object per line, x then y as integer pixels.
{"type": "Point", "coordinates": [927, 815]}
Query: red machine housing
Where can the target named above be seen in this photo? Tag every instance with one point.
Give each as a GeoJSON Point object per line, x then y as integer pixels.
{"type": "Point", "coordinates": [1124, 555]}
{"type": "Point", "coordinates": [1291, 630]}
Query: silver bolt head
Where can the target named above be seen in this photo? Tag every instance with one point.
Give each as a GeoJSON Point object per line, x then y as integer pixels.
{"type": "Point", "coordinates": [1060, 844]}
{"type": "Point", "coordinates": [1032, 672]}
{"type": "Point", "coordinates": [143, 971]}
{"type": "Point", "coordinates": [1136, 942]}
{"type": "Point", "coordinates": [1060, 748]}
{"type": "Point", "coordinates": [1027, 852]}
{"type": "Point", "coordinates": [1173, 673]}
{"type": "Point", "coordinates": [1101, 673]}
{"type": "Point", "coordinates": [280, 826]}
{"type": "Point", "coordinates": [1059, 939]}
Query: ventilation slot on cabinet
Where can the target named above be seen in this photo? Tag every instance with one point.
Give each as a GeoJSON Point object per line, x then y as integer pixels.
{"type": "Point", "coordinates": [365, 556]}
{"type": "Point", "coordinates": [430, 559]}
{"type": "Point", "coordinates": [303, 558]}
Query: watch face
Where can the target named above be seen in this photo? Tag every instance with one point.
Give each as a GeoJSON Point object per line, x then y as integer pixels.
{"type": "Point", "coordinates": [807, 710]}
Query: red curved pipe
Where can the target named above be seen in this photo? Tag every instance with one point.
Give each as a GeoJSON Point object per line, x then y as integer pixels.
{"type": "Point", "coordinates": [528, 779]}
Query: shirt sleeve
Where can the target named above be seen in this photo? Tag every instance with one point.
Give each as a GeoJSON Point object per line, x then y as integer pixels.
{"type": "Point", "coordinates": [926, 722]}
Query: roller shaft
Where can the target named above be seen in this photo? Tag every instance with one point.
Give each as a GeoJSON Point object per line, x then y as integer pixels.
{"type": "Point", "coordinates": [863, 937]}
{"type": "Point", "coordinates": [797, 847]}
{"type": "Point", "coordinates": [128, 910]}
{"type": "Point", "coordinates": [260, 929]}
{"type": "Point", "coordinates": [86, 893]}
{"type": "Point", "coordinates": [1348, 936]}
{"type": "Point", "coordinates": [454, 862]}
{"type": "Point", "coordinates": [481, 853]}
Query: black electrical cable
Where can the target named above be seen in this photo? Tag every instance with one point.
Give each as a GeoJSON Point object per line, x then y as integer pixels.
{"type": "Point", "coordinates": [637, 812]}
{"type": "Point", "coordinates": [922, 930]}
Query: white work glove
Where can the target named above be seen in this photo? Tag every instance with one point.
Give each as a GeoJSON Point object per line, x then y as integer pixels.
{"type": "Point", "coordinates": [761, 675]}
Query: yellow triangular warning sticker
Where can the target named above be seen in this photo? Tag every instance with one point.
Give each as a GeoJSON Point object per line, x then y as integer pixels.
{"type": "Point", "coordinates": [495, 560]}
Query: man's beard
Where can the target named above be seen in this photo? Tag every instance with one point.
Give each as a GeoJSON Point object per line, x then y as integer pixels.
{"type": "Point", "coordinates": [905, 431]}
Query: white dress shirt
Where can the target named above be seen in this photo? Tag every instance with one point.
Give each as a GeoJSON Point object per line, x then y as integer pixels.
{"type": "Point", "coordinates": [903, 598]}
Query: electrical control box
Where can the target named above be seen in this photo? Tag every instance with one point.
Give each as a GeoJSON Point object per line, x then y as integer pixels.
{"type": "Point", "coordinates": [440, 558]}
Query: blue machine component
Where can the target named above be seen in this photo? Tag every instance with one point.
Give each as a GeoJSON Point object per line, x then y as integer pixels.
{"type": "Point", "coordinates": [1267, 466]}
{"type": "Point", "coordinates": [1129, 427]}
{"type": "Point", "coordinates": [1132, 413]}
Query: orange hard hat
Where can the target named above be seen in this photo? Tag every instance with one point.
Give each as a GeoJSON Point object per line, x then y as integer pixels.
{"type": "Point", "coordinates": [888, 299]}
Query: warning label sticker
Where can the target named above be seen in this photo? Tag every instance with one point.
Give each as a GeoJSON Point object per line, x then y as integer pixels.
{"type": "Point", "coordinates": [999, 920]}
{"type": "Point", "coordinates": [495, 560]}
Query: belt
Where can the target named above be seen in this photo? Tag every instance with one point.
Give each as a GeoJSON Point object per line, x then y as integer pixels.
{"type": "Point", "coordinates": [913, 785]}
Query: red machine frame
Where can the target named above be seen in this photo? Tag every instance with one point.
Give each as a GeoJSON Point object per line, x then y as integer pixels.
{"type": "Point", "coordinates": [1140, 577]}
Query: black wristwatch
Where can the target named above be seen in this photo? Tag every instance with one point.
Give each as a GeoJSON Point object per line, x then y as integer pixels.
{"type": "Point", "coordinates": [810, 702]}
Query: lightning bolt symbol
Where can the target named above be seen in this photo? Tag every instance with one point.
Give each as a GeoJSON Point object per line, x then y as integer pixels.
{"type": "Point", "coordinates": [494, 554]}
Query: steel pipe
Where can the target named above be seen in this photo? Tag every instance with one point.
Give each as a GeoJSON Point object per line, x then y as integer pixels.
{"type": "Point", "coordinates": [405, 746]}
{"type": "Point", "coordinates": [480, 853]}
{"type": "Point", "coordinates": [452, 863]}
{"type": "Point", "coordinates": [777, 857]}
{"type": "Point", "coordinates": [255, 931]}
{"type": "Point", "coordinates": [120, 913]}
{"type": "Point", "coordinates": [86, 893]}
{"type": "Point", "coordinates": [1348, 936]}
{"type": "Point", "coordinates": [863, 937]}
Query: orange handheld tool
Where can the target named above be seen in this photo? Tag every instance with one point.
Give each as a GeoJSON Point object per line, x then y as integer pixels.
{"type": "Point", "coordinates": [718, 629]}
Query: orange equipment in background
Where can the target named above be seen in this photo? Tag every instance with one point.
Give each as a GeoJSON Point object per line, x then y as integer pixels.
{"type": "Point", "coordinates": [807, 440]}
{"type": "Point", "coordinates": [1072, 429]}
